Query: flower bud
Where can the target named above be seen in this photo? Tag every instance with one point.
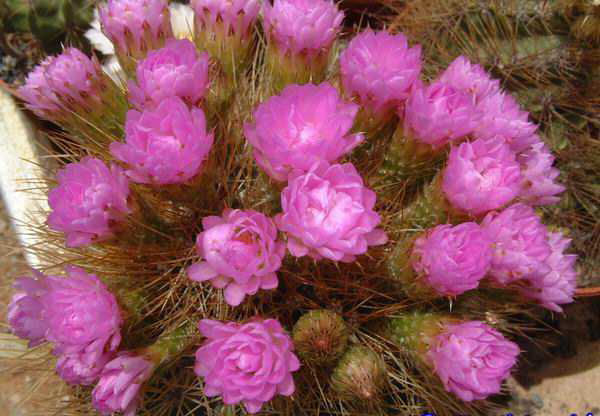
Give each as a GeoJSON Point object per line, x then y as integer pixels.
{"type": "Point", "coordinates": [359, 375]}
{"type": "Point", "coordinates": [320, 336]}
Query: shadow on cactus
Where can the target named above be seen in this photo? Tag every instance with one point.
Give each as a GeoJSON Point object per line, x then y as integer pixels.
{"type": "Point", "coordinates": [284, 220]}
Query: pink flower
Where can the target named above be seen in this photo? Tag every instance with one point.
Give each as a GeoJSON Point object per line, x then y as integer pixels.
{"type": "Point", "coordinates": [240, 253]}
{"type": "Point", "coordinates": [472, 359]}
{"type": "Point", "coordinates": [89, 199]}
{"type": "Point", "coordinates": [136, 26]}
{"type": "Point", "coordinates": [302, 125]}
{"type": "Point", "coordinates": [26, 310]}
{"type": "Point", "coordinates": [558, 285]}
{"type": "Point", "coordinates": [249, 363]}
{"type": "Point", "coordinates": [302, 26]}
{"type": "Point", "coordinates": [164, 145]}
{"type": "Point", "coordinates": [39, 97]}
{"type": "Point", "coordinates": [520, 244]}
{"type": "Point", "coordinates": [380, 68]}
{"type": "Point", "coordinates": [237, 16]}
{"type": "Point", "coordinates": [81, 314]}
{"type": "Point", "coordinates": [72, 76]}
{"type": "Point", "coordinates": [438, 114]}
{"type": "Point", "coordinates": [462, 75]}
{"type": "Point", "coordinates": [501, 116]}
{"type": "Point", "coordinates": [481, 176]}
{"type": "Point", "coordinates": [82, 367]}
{"type": "Point", "coordinates": [452, 259]}
{"type": "Point", "coordinates": [177, 70]}
{"type": "Point", "coordinates": [120, 383]}
{"type": "Point", "coordinates": [539, 177]}
{"type": "Point", "coordinates": [328, 212]}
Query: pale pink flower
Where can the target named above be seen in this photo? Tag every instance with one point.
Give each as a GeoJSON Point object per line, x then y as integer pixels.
{"type": "Point", "coordinates": [236, 16]}
{"type": "Point", "coordinates": [26, 310]}
{"type": "Point", "coordinates": [452, 259]}
{"type": "Point", "coordinates": [472, 359]}
{"type": "Point", "coordinates": [176, 70]}
{"type": "Point", "coordinates": [302, 125]}
{"type": "Point", "coordinates": [481, 176]}
{"type": "Point", "coordinates": [465, 76]}
{"type": "Point", "coordinates": [120, 383]}
{"type": "Point", "coordinates": [89, 201]}
{"type": "Point", "coordinates": [520, 241]}
{"type": "Point", "coordinates": [302, 26]}
{"type": "Point", "coordinates": [249, 363]}
{"type": "Point", "coordinates": [164, 145]}
{"type": "Point", "coordinates": [539, 176]}
{"type": "Point", "coordinates": [438, 114]}
{"type": "Point", "coordinates": [380, 69]}
{"type": "Point", "coordinates": [240, 252]}
{"type": "Point", "coordinates": [328, 212]}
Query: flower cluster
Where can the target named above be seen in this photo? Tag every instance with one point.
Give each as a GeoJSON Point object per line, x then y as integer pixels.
{"type": "Point", "coordinates": [301, 136]}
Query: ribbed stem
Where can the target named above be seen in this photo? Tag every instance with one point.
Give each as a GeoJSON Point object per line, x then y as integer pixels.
{"type": "Point", "coordinates": [173, 343]}
{"type": "Point", "coordinates": [428, 209]}
{"type": "Point", "coordinates": [414, 331]}
{"type": "Point", "coordinates": [288, 68]}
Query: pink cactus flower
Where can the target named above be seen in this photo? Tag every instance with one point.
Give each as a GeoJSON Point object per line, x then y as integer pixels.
{"type": "Point", "coordinates": [240, 253]}
{"type": "Point", "coordinates": [120, 384]}
{"type": "Point", "coordinates": [539, 185]}
{"type": "Point", "coordinates": [37, 93]}
{"type": "Point", "coordinates": [136, 26]}
{"type": "Point", "coordinates": [237, 16]}
{"type": "Point", "coordinates": [177, 70]}
{"type": "Point", "coordinates": [248, 363]}
{"type": "Point", "coordinates": [481, 176]}
{"type": "Point", "coordinates": [462, 75]}
{"type": "Point", "coordinates": [328, 212]}
{"type": "Point", "coordinates": [81, 314]}
{"type": "Point", "coordinates": [380, 69]}
{"type": "Point", "coordinates": [438, 114]}
{"type": "Point", "coordinates": [452, 259]}
{"type": "Point", "coordinates": [520, 241]}
{"type": "Point", "coordinates": [82, 367]}
{"type": "Point", "coordinates": [472, 359]}
{"type": "Point", "coordinates": [165, 145]}
{"type": "Point", "coordinates": [302, 26]}
{"type": "Point", "coordinates": [26, 310]}
{"type": "Point", "coordinates": [302, 125]}
{"type": "Point", "coordinates": [501, 116]}
{"type": "Point", "coordinates": [558, 286]}
{"type": "Point", "coordinates": [88, 202]}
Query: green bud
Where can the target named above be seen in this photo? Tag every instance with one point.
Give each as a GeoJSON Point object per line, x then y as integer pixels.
{"type": "Point", "coordinates": [359, 376]}
{"type": "Point", "coordinates": [320, 336]}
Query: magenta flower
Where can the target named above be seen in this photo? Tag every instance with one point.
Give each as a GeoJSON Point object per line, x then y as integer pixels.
{"type": "Point", "coordinates": [37, 93]}
{"type": "Point", "coordinates": [236, 16]}
{"type": "Point", "coordinates": [438, 114]}
{"type": "Point", "coordinates": [472, 359]}
{"type": "Point", "coordinates": [82, 367]}
{"type": "Point", "coordinates": [380, 68]}
{"type": "Point", "coordinates": [481, 176]}
{"type": "Point", "coordinates": [81, 314]}
{"type": "Point", "coordinates": [26, 310]}
{"type": "Point", "coordinates": [302, 26]}
{"type": "Point", "coordinates": [462, 75]}
{"type": "Point", "coordinates": [539, 185]}
{"type": "Point", "coordinates": [501, 116]}
{"type": "Point", "coordinates": [177, 70]}
{"type": "Point", "coordinates": [165, 145]}
{"type": "Point", "coordinates": [302, 125]}
{"type": "Point", "coordinates": [88, 202]}
{"type": "Point", "coordinates": [120, 383]}
{"type": "Point", "coordinates": [452, 259]}
{"type": "Point", "coordinates": [328, 212]}
{"type": "Point", "coordinates": [520, 244]}
{"type": "Point", "coordinates": [248, 363]}
{"type": "Point", "coordinates": [239, 252]}
{"type": "Point", "coordinates": [136, 26]}
{"type": "Point", "coordinates": [558, 286]}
